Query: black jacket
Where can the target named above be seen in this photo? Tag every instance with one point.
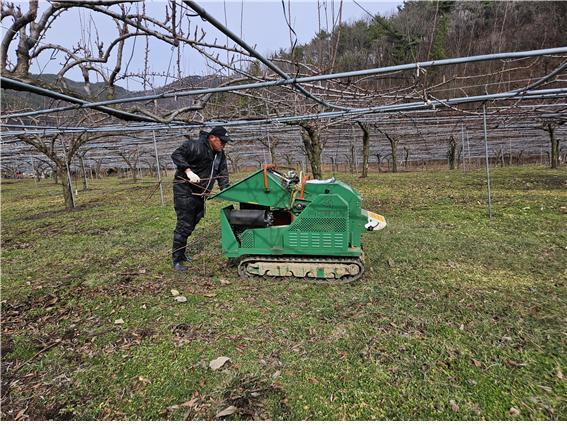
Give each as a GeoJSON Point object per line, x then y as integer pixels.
{"type": "Point", "coordinates": [203, 161]}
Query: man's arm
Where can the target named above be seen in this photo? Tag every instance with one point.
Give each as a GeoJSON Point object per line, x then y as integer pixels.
{"type": "Point", "coordinates": [181, 155]}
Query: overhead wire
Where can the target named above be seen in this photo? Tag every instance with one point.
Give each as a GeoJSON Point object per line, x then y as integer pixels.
{"type": "Point", "coordinates": [412, 106]}
{"type": "Point", "coordinates": [291, 81]}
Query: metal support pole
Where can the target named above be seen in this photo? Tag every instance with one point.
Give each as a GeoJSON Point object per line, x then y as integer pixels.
{"type": "Point", "coordinates": [468, 147]}
{"type": "Point", "coordinates": [85, 181]}
{"type": "Point", "coordinates": [463, 146]}
{"type": "Point", "coordinates": [272, 159]}
{"type": "Point", "coordinates": [487, 163]}
{"type": "Point", "coordinates": [68, 174]}
{"type": "Point", "coordinates": [33, 170]}
{"type": "Point", "coordinates": [158, 171]}
{"type": "Point", "coordinates": [510, 152]}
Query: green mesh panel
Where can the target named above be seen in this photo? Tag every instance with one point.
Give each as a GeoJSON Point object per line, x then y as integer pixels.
{"type": "Point", "coordinates": [319, 224]}
{"type": "Point", "coordinates": [316, 240]}
{"type": "Point", "coordinates": [247, 240]}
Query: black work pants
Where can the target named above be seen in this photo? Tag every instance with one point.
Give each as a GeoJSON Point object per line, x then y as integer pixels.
{"type": "Point", "coordinates": [190, 210]}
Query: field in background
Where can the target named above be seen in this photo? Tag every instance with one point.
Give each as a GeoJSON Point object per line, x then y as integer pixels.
{"type": "Point", "coordinates": [457, 317]}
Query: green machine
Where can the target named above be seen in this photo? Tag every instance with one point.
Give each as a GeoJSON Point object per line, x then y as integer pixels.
{"type": "Point", "coordinates": [290, 226]}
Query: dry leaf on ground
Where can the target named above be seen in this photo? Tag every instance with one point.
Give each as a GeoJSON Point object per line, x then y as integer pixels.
{"type": "Point", "coordinates": [515, 364]}
{"type": "Point", "coordinates": [144, 380]}
{"type": "Point", "coordinates": [226, 412]}
{"type": "Point", "coordinates": [174, 292]}
{"type": "Point", "coordinates": [190, 403]}
{"type": "Point", "coordinates": [218, 362]}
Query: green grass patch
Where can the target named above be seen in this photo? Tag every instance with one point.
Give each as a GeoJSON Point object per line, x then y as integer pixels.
{"type": "Point", "coordinates": [457, 317]}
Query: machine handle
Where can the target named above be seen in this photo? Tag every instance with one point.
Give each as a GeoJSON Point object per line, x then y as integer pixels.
{"type": "Point", "coordinates": [303, 180]}
{"type": "Point", "coordinates": [266, 167]}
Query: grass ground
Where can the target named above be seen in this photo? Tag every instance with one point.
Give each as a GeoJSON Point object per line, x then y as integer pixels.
{"type": "Point", "coordinates": [457, 317]}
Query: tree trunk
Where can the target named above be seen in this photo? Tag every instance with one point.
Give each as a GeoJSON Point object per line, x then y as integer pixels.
{"type": "Point", "coordinates": [394, 146]}
{"type": "Point", "coordinates": [23, 55]}
{"type": "Point", "coordinates": [85, 184]}
{"type": "Point", "coordinates": [451, 152]}
{"type": "Point", "coordinates": [288, 158]}
{"type": "Point", "coordinates": [351, 160]}
{"type": "Point", "coordinates": [554, 146]}
{"type": "Point", "coordinates": [67, 191]}
{"type": "Point", "coordinates": [272, 149]}
{"type": "Point", "coordinates": [312, 143]}
{"type": "Point", "coordinates": [365, 148]}
{"type": "Point", "coordinates": [98, 166]}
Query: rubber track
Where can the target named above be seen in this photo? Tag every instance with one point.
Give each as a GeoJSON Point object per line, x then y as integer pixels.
{"type": "Point", "coordinates": [315, 260]}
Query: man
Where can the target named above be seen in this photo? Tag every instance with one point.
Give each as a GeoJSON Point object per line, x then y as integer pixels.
{"type": "Point", "coordinates": [199, 163]}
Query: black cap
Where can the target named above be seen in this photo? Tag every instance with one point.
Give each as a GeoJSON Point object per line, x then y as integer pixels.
{"type": "Point", "coordinates": [221, 133]}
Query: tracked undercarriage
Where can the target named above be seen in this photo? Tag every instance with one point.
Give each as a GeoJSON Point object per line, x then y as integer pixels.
{"type": "Point", "coordinates": [327, 268]}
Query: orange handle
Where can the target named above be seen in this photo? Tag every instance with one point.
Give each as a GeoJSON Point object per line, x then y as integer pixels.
{"type": "Point", "coordinates": [303, 180]}
{"type": "Point", "coordinates": [266, 167]}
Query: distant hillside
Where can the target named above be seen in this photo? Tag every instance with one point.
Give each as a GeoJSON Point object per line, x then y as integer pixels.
{"type": "Point", "coordinates": [13, 100]}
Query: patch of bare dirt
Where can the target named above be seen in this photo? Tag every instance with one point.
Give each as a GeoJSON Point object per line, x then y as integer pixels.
{"type": "Point", "coordinates": [246, 397]}
{"type": "Point", "coordinates": [249, 395]}
{"type": "Point", "coordinates": [185, 333]}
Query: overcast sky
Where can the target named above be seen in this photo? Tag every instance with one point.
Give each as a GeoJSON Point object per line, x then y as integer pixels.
{"type": "Point", "coordinates": [261, 23]}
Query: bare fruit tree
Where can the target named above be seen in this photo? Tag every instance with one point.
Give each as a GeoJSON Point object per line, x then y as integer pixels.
{"type": "Point", "coordinates": [394, 148]}
{"type": "Point", "coordinates": [271, 143]}
{"type": "Point", "coordinates": [311, 138]}
{"type": "Point", "coordinates": [550, 127]}
{"type": "Point", "coordinates": [26, 31]}
{"type": "Point", "coordinates": [131, 158]}
{"type": "Point", "coordinates": [365, 147]}
{"type": "Point", "coordinates": [60, 150]}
